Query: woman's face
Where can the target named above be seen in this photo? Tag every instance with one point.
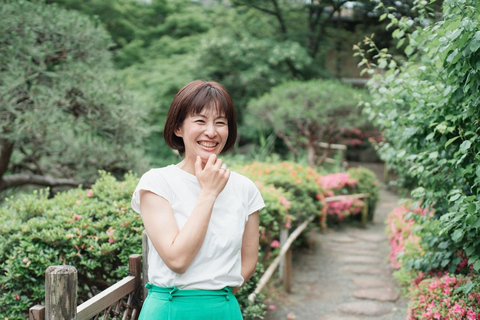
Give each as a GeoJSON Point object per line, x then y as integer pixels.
{"type": "Point", "coordinates": [203, 134]}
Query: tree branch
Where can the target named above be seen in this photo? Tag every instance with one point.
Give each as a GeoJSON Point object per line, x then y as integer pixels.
{"type": "Point", "coordinates": [277, 13]}
{"type": "Point", "coordinates": [22, 179]}
{"type": "Point", "coordinates": [279, 16]}
{"type": "Point", "coordinates": [5, 155]}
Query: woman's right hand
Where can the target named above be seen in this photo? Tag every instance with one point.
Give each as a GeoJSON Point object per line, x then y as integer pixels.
{"type": "Point", "coordinates": [213, 177]}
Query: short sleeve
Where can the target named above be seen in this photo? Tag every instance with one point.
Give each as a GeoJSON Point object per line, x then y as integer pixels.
{"type": "Point", "coordinates": [152, 181]}
{"type": "Point", "coordinates": [255, 200]}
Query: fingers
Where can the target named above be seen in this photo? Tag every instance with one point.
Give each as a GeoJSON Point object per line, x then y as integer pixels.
{"type": "Point", "coordinates": [211, 159]}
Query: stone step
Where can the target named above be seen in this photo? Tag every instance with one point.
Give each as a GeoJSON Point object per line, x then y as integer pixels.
{"type": "Point", "coordinates": [379, 294]}
{"type": "Point", "coordinates": [366, 308]}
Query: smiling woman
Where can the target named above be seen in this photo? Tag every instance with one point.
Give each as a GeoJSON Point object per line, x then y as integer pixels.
{"type": "Point", "coordinates": [201, 219]}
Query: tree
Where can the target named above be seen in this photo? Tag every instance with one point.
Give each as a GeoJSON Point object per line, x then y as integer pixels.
{"type": "Point", "coordinates": [63, 115]}
{"type": "Point", "coordinates": [303, 114]}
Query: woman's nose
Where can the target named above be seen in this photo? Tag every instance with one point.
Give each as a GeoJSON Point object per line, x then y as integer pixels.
{"type": "Point", "coordinates": [210, 131]}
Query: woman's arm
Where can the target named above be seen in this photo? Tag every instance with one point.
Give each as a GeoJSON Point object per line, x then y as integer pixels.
{"type": "Point", "coordinates": [249, 249]}
{"type": "Point", "coordinates": [178, 248]}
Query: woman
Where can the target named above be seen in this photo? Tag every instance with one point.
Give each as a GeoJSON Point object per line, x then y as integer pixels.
{"type": "Point", "coordinates": [201, 219]}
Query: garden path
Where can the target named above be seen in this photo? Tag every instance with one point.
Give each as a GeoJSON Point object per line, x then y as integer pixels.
{"type": "Point", "coordinates": [345, 276]}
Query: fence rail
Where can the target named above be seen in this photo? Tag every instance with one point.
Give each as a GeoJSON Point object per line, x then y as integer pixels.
{"type": "Point", "coordinates": [61, 296]}
{"type": "Point", "coordinates": [285, 255]}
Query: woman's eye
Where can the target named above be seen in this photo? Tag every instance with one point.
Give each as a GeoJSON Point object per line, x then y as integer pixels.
{"type": "Point", "coordinates": [199, 121]}
{"type": "Point", "coordinates": [221, 123]}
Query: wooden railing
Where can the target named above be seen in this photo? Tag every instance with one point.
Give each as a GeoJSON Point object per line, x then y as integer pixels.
{"type": "Point", "coordinates": [120, 301]}
{"type": "Point", "coordinates": [284, 258]}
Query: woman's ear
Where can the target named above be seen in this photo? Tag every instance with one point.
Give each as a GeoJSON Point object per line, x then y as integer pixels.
{"type": "Point", "coordinates": [178, 132]}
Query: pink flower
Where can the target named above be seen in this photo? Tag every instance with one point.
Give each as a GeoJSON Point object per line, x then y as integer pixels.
{"type": "Point", "coordinates": [458, 309]}
{"type": "Point", "coordinates": [77, 216]}
{"type": "Point", "coordinates": [272, 307]}
{"type": "Point", "coordinates": [284, 202]}
{"type": "Point", "coordinates": [288, 220]}
{"type": "Point", "coordinates": [111, 240]}
{"type": "Point", "coordinates": [90, 193]}
{"type": "Point", "coordinates": [275, 244]}
{"type": "Point", "coordinates": [471, 315]}
{"type": "Point", "coordinates": [110, 231]}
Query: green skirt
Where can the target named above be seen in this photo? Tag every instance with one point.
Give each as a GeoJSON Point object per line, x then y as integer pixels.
{"type": "Point", "coordinates": [170, 303]}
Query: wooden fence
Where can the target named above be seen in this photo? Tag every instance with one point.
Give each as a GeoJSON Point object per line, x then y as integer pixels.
{"type": "Point", "coordinates": [120, 301]}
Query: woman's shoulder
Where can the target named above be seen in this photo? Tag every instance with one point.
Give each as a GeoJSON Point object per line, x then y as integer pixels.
{"type": "Point", "coordinates": [241, 179]}
{"type": "Point", "coordinates": [158, 172]}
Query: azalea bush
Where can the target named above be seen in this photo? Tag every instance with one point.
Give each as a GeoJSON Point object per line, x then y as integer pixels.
{"type": "Point", "coordinates": [443, 297]}
{"type": "Point", "coordinates": [366, 183]}
{"type": "Point", "coordinates": [300, 181]}
{"type": "Point", "coordinates": [94, 230]}
{"type": "Point", "coordinates": [400, 230]}
{"type": "Point", "coordinates": [450, 290]}
{"type": "Point", "coordinates": [355, 181]}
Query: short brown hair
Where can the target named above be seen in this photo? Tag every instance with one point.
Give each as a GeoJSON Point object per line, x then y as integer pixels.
{"type": "Point", "coordinates": [191, 100]}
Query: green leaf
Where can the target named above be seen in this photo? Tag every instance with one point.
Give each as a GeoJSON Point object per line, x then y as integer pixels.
{"type": "Point", "coordinates": [454, 197]}
{"type": "Point", "coordinates": [476, 224]}
{"type": "Point", "coordinates": [449, 142]}
{"type": "Point", "coordinates": [472, 208]}
{"type": "Point", "coordinates": [465, 146]}
{"type": "Point", "coordinates": [476, 265]}
{"type": "Point", "coordinates": [475, 42]}
{"type": "Point", "coordinates": [457, 235]}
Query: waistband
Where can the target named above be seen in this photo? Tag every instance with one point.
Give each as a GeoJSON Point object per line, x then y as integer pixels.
{"type": "Point", "coordinates": [175, 292]}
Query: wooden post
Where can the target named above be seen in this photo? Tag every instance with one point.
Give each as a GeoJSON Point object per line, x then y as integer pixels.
{"type": "Point", "coordinates": [365, 212]}
{"type": "Point", "coordinates": [144, 263]}
{"type": "Point", "coordinates": [385, 174]}
{"type": "Point", "coordinates": [61, 293]}
{"type": "Point", "coordinates": [135, 268]}
{"type": "Point", "coordinates": [283, 239]}
{"type": "Point", "coordinates": [287, 271]}
{"type": "Point", "coordinates": [36, 313]}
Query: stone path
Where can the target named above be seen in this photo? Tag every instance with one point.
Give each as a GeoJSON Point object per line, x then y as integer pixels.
{"type": "Point", "coordinates": [344, 277]}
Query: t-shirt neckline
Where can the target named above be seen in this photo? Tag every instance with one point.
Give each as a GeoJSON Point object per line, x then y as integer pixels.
{"type": "Point", "coordinates": [186, 174]}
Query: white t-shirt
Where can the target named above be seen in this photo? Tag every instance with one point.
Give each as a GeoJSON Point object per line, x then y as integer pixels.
{"type": "Point", "coordinates": [218, 263]}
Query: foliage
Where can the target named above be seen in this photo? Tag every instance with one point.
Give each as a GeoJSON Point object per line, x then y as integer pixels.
{"type": "Point", "coordinates": [93, 230]}
{"type": "Point", "coordinates": [401, 224]}
{"type": "Point", "coordinates": [303, 114]}
{"type": "Point", "coordinates": [443, 297]}
{"type": "Point", "coordinates": [439, 145]}
{"type": "Point", "coordinates": [366, 183]}
{"type": "Point", "coordinates": [300, 181]}
{"type": "Point", "coordinates": [355, 181]}
{"type": "Point", "coordinates": [63, 112]}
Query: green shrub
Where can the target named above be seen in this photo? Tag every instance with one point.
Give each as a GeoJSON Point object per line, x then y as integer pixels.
{"type": "Point", "coordinates": [366, 183]}
{"type": "Point", "coordinates": [428, 109]}
{"type": "Point", "coordinates": [93, 230]}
